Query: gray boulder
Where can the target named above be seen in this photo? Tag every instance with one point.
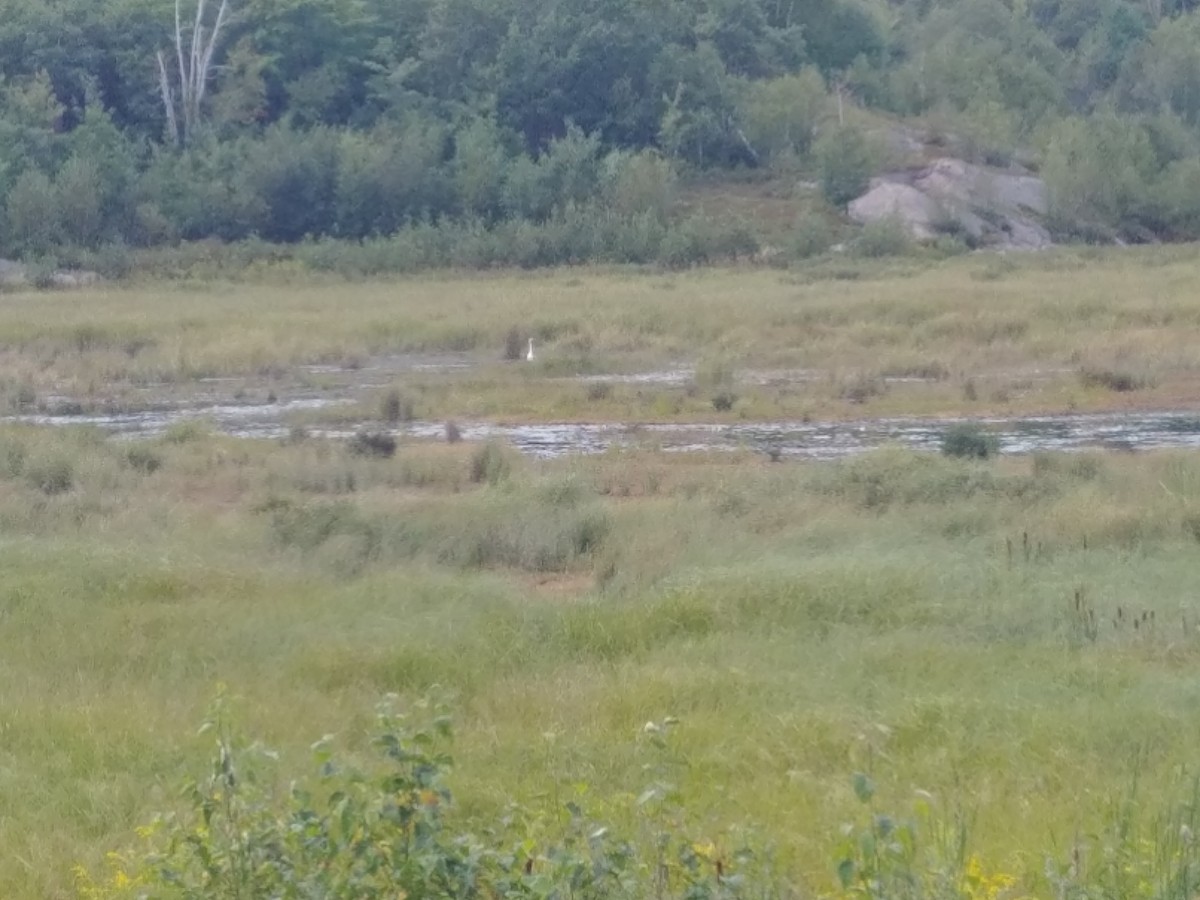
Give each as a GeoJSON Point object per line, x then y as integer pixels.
{"type": "Point", "coordinates": [998, 209]}
{"type": "Point", "coordinates": [916, 210]}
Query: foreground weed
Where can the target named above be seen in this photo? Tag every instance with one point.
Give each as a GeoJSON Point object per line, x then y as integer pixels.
{"type": "Point", "coordinates": [921, 855]}
{"type": "Point", "coordinates": [351, 833]}
{"type": "Point", "coordinates": [388, 831]}
{"type": "Point", "coordinates": [1135, 857]}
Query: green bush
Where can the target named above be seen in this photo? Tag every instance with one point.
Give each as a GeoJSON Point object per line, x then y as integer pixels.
{"type": "Point", "coordinates": [699, 239]}
{"type": "Point", "coordinates": [386, 829]}
{"type": "Point", "coordinates": [186, 431]}
{"type": "Point", "coordinates": [723, 401]}
{"type": "Point", "coordinates": [32, 220]}
{"type": "Point", "coordinates": [811, 235]}
{"type": "Point", "coordinates": [50, 476]}
{"type": "Point", "coordinates": [844, 164]}
{"type": "Point", "coordinates": [142, 459]}
{"type": "Point", "coordinates": [490, 464]}
{"type": "Point", "coordinates": [373, 443]}
{"type": "Point", "coordinates": [386, 826]}
{"type": "Point", "coordinates": [892, 477]}
{"type": "Point", "coordinates": [1117, 380]}
{"type": "Point", "coordinates": [969, 440]}
{"type": "Point", "coordinates": [641, 183]}
{"type": "Point", "coordinates": [395, 407]}
{"type": "Point", "coordinates": [884, 237]}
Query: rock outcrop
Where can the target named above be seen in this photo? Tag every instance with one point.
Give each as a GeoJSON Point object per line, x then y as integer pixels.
{"type": "Point", "coordinates": [993, 208]}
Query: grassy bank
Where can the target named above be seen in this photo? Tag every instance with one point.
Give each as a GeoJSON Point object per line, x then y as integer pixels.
{"type": "Point", "coordinates": [1059, 331]}
{"type": "Point", "coordinates": [962, 628]}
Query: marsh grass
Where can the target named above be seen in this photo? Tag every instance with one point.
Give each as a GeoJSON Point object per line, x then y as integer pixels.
{"type": "Point", "coordinates": [905, 614]}
{"type": "Point", "coordinates": [1112, 379]}
{"type": "Point", "coordinates": [1124, 313]}
{"type": "Point", "coordinates": [959, 626]}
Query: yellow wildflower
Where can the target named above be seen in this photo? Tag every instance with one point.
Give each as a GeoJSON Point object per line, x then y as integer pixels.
{"type": "Point", "coordinates": [980, 885]}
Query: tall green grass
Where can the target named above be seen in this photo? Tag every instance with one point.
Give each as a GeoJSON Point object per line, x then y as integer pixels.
{"type": "Point", "coordinates": [963, 628]}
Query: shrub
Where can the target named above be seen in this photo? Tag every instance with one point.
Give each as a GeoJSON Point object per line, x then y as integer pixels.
{"type": "Point", "coordinates": [490, 464]}
{"type": "Point", "coordinates": [1113, 380]}
{"type": "Point", "coordinates": [32, 213]}
{"type": "Point", "coordinates": [385, 827]}
{"type": "Point", "coordinates": [641, 183]}
{"type": "Point", "coordinates": [699, 239]}
{"type": "Point", "coordinates": [862, 388]}
{"type": "Point", "coordinates": [969, 440]}
{"type": "Point", "coordinates": [892, 476]}
{"type": "Point", "coordinates": [186, 431]}
{"type": "Point", "coordinates": [599, 390]}
{"type": "Point", "coordinates": [309, 526]}
{"type": "Point", "coordinates": [843, 164]}
{"type": "Point", "coordinates": [80, 204]}
{"type": "Point", "coordinates": [373, 443]}
{"type": "Point", "coordinates": [811, 235]}
{"type": "Point", "coordinates": [394, 407]}
{"type": "Point", "coordinates": [884, 237]}
{"type": "Point", "coordinates": [723, 401]}
{"type": "Point", "coordinates": [514, 345]}
{"type": "Point", "coordinates": [142, 459]}
{"type": "Point", "coordinates": [50, 476]}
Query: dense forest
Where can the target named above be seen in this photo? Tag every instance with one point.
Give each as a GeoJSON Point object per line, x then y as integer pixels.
{"type": "Point", "coordinates": [295, 120]}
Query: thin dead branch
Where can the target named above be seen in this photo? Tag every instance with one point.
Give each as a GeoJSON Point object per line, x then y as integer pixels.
{"type": "Point", "coordinates": [184, 106]}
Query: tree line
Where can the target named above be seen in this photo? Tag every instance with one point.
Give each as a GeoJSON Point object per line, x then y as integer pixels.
{"type": "Point", "coordinates": [353, 119]}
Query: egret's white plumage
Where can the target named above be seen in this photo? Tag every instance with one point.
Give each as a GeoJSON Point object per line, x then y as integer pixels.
{"type": "Point", "coordinates": [529, 355]}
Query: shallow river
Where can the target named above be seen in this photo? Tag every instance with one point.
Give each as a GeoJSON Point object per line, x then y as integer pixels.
{"type": "Point", "coordinates": [817, 440]}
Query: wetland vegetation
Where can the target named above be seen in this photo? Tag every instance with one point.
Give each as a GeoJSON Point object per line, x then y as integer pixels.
{"type": "Point", "coordinates": [981, 664]}
{"type": "Point", "coordinates": [1071, 330]}
{"type": "Point", "coordinates": [685, 675]}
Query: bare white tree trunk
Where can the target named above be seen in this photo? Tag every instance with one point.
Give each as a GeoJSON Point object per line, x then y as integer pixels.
{"type": "Point", "coordinates": [168, 99]}
{"type": "Point", "coordinates": [184, 105]}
